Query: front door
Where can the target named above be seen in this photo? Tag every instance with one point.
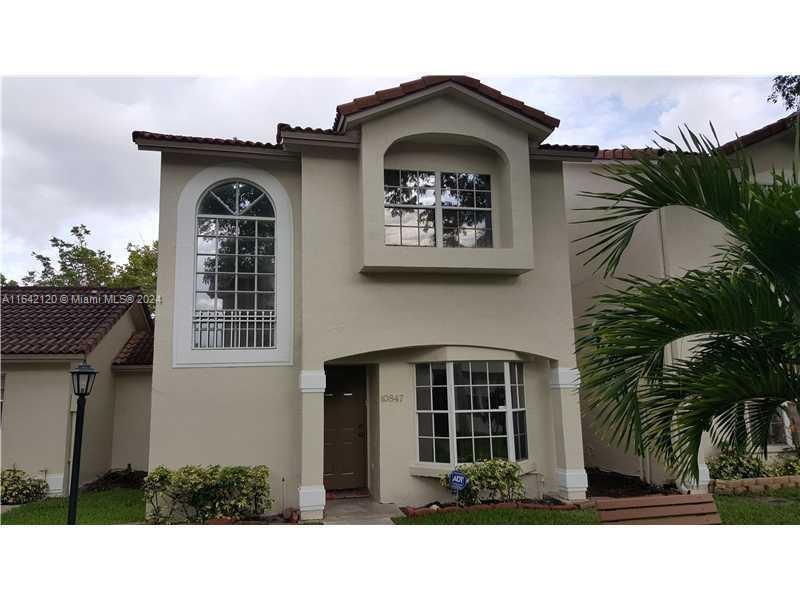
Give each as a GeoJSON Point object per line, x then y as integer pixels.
{"type": "Point", "coordinates": [345, 428]}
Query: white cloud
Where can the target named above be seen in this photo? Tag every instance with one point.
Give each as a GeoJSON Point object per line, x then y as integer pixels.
{"type": "Point", "coordinates": [68, 156]}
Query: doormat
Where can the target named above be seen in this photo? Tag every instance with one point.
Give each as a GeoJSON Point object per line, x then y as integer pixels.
{"type": "Point", "coordinates": [342, 494]}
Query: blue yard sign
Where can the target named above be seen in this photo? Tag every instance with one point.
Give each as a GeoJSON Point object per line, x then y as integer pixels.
{"type": "Point", "coordinates": [458, 481]}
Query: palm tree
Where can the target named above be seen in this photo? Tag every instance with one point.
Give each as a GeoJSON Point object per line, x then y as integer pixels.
{"type": "Point", "coordinates": [742, 314]}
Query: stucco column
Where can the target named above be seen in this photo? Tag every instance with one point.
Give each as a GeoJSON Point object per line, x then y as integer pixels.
{"type": "Point", "coordinates": [312, 490]}
{"type": "Point", "coordinates": [565, 400]}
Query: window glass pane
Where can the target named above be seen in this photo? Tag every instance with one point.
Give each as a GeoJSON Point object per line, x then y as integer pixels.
{"type": "Point", "coordinates": [265, 283]}
{"type": "Point", "coordinates": [483, 238]}
{"type": "Point", "coordinates": [480, 423]}
{"type": "Point", "coordinates": [479, 370]}
{"type": "Point", "coordinates": [217, 202]}
{"type": "Point", "coordinates": [426, 197]}
{"type": "Point", "coordinates": [514, 400]}
{"type": "Point", "coordinates": [442, 450]}
{"type": "Point", "coordinates": [392, 195]}
{"type": "Point", "coordinates": [409, 236]}
{"type": "Point", "coordinates": [391, 216]}
{"type": "Point", "coordinates": [425, 424]}
{"type": "Point", "coordinates": [483, 182]}
{"type": "Point", "coordinates": [499, 423]}
{"type": "Point", "coordinates": [391, 236]}
{"type": "Point", "coordinates": [266, 247]}
{"type": "Point", "coordinates": [226, 264]}
{"type": "Point", "coordinates": [426, 450]}
{"type": "Point", "coordinates": [247, 246]}
{"type": "Point", "coordinates": [466, 198]}
{"type": "Point", "coordinates": [226, 300]}
{"type": "Point", "coordinates": [206, 226]}
{"type": "Point", "coordinates": [246, 283]}
{"type": "Point", "coordinates": [226, 245]}
{"type": "Point", "coordinates": [449, 180]}
{"type": "Point", "coordinates": [483, 200]}
{"type": "Point", "coordinates": [461, 373]}
{"type": "Point", "coordinates": [499, 447]}
{"type": "Point", "coordinates": [480, 397]}
{"type": "Point", "coordinates": [408, 217]}
{"type": "Point", "coordinates": [206, 262]}
{"type": "Point", "coordinates": [462, 398]}
{"type": "Point", "coordinates": [205, 282]}
{"type": "Point", "coordinates": [427, 237]}
{"type": "Point", "coordinates": [245, 301]}
{"type": "Point", "coordinates": [439, 374]}
{"type": "Point", "coordinates": [204, 301]}
{"type": "Point", "coordinates": [466, 218]}
{"type": "Point", "coordinates": [483, 449]}
{"type": "Point", "coordinates": [450, 218]}
{"type": "Point", "coordinates": [226, 282]}
{"type": "Point", "coordinates": [497, 373]}
{"type": "Point", "coordinates": [247, 228]}
{"type": "Point", "coordinates": [497, 397]}
{"type": "Point", "coordinates": [426, 178]}
{"type": "Point", "coordinates": [227, 227]}
{"type": "Point", "coordinates": [391, 177]}
{"type": "Point", "coordinates": [427, 218]}
{"type": "Point", "coordinates": [466, 181]}
{"type": "Point", "coordinates": [265, 301]}
{"type": "Point", "coordinates": [463, 425]}
{"type": "Point", "coordinates": [466, 238]}
{"type": "Point", "coordinates": [261, 208]}
{"type": "Point", "coordinates": [520, 425]}
{"type": "Point", "coordinates": [464, 450]}
{"type": "Point", "coordinates": [521, 447]}
{"type": "Point", "coordinates": [441, 427]}
{"type": "Point", "coordinates": [483, 219]}
{"type": "Point", "coordinates": [246, 264]}
{"type": "Point", "coordinates": [423, 374]}
{"type": "Point", "coordinates": [450, 197]}
{"type": "Point", "coordinates": [440, 398]}
{"type": "Point", "coordinates": [266, 229]}
{"type": "Point", "coordinates": [423, 399]}
{"type": "Point", "coordinates": [521, 394]}
{"type": "Point", "coordinates": [450, 238]}
{"type": "Point", "coordinates": [265, 264]}
{"type": "Point", "coordinates": [206, 245]}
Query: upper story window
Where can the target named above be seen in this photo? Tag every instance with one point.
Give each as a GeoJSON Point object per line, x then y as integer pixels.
{"type": "Point", "coordinates": [234, 299]}
{"type": "Point", "coordinates": [470, 411]}
{"type": "Point", "coordinates": [435, 208]}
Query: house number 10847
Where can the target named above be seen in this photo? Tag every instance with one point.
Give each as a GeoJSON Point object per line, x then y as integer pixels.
{"type": "Point", "coordinates": [392, 398]}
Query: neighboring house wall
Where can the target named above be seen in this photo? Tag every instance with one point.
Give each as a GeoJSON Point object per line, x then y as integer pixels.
{"type": "Point", "coordinates": [666, 244]}
{"type": "Point", "coordinates": [131, 440]}
{"type": "Point", "coordinates": [36, 411]}
{"type": "Point", "coordinates": [98, 427]}
{"type": "Point", "coordinates": [222, 415]}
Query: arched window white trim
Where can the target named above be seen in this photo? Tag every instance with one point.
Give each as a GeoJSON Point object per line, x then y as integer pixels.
{"type": "Point", "coordinates": [281, 350]}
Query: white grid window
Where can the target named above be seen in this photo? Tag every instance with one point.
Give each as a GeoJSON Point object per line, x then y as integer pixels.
{"type": "Point", "coordinates": [234, 300]}
{"type": "Point", "coordinates": [473, 420]}
{"type": "Point", "coordinates": [430, 208]}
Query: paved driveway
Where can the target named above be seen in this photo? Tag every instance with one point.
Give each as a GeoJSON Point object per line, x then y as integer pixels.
{"type": "Point", "coordinates": [359, 511]}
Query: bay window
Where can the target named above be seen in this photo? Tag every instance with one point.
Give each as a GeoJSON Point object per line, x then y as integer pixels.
{"type": "Point", "coordinates": [470, 411]}
{"type": "Point", "coordinates": [437, 208]}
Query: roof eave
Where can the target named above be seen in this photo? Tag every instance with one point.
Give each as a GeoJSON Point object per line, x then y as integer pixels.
{"type": "Point", "coordinates": [213, 149]}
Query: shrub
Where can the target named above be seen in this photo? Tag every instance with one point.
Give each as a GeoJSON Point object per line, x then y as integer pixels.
{"type": "Point", "coordinates": [496, 479]}
{"type": "Point", "coordinates": [197, 494]}
{"type": "Point", "coordinates": [730, 464]}
{"type": "Point", "coordinates": [17, 487]}
{"type": "Point", "coordinates": [788, 464]}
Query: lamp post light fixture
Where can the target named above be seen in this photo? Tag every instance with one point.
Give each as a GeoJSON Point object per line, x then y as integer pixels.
{"type": "Point", "coordinates": [82, 381]}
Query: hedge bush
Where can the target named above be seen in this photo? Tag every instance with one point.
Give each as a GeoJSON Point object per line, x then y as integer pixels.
{"type": "Point", "coordinates": [730, 464]}
{"type": "Point", "coordinates": [784, 465]}
{"type": "Point", "coordinates": [496, 479]}
{"type": "Point", "coordinates": [196, 494]}
{"type": "Point", "coordinates": [17, 487]}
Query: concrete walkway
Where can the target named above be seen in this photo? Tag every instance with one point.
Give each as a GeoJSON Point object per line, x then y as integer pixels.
{"type": "Point", "coordinates": [359, 511]}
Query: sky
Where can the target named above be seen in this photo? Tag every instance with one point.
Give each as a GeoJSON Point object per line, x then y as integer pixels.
{"type": "Point", "coordinates": [68, 158]}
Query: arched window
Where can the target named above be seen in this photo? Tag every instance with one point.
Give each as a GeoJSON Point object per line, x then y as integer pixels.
{"type": "Point", "coordinates": [234, 294]}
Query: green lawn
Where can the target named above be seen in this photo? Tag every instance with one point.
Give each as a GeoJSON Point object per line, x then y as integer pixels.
{"type": "Point", "coordinates": [777, 507]}
{"type": "Point", "coordinates": [94, 508]}
{"type": "Point", "coordinates": [510, 516]}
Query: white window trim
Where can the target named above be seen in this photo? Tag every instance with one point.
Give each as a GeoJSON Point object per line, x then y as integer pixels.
{"type": "Point", "coordinates": [451, 419]}
{"type": "Point", "coordinates": [183, 354]}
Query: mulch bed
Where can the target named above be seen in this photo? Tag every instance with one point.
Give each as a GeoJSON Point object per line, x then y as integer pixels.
{"type": "Point", "coordinates": [117, 478]}
{"type": "Point", "coordinates": [449, 507]}
{"type": "Point", "coordinates": [617, 485]}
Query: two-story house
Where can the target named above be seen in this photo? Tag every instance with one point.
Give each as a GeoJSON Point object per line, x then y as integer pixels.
{"type": "Point", "coordinates": [369, 305]}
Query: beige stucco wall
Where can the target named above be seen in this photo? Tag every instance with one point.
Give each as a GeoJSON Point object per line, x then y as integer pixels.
{"type": "Point", "coordinates": [131, 439]}
{"type": "Point", "coordinates": [36, 412]}
{"type": "Point", "coordinates": [253, 415]}
{"type": "Point", "coordinates": [222, 415]}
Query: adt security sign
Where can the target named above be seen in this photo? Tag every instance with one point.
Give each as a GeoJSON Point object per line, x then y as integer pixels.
{"type": "Point", "coordinates": [458, 481]}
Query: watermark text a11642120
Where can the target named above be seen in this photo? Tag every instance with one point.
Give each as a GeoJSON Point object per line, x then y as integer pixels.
{"type": "Point", "coordinates": [18, 296]}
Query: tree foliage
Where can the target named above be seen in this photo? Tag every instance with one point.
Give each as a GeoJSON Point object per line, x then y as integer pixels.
{"type": "Point", "coordinates": [80, 265]}
{"type": "Point", "coordinates": [786, 89]}
{"type": "Point", "coordinates": [740, 315]}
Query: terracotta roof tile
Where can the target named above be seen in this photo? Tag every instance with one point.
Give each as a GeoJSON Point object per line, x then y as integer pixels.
{"type": "Point", "coordinates": [58, 320]}
{"type": "Point", "coordinates": [626, 153]}
{"type": "Point", "coordinates": [167, 137]}
{"type": "Point", "coordinates": [410, 87]}
{"type": "Point", "coordinates": [569, 147]}
{"type": "Point", "coordinates": [760, 134]}
{"type": "Point", "coordinates": [299, 129]}
{"type": "Point", "coordinates": [138, 350]}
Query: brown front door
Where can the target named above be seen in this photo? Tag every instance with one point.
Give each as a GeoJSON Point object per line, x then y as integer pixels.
{"type": "Point", "coordinates": [345, 428]}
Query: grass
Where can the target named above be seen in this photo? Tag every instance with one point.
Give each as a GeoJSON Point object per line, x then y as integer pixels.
{"type": "Point", "coordinates": [94, 508]}
{"type": "Point", "coordinates": [510, 516]}
{"type": "Point", "coordinates": [776, 507]}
